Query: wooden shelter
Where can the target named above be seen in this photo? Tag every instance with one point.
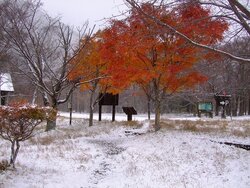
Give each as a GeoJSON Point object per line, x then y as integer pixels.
{"type": "Point", "coordinates": [6, 87]}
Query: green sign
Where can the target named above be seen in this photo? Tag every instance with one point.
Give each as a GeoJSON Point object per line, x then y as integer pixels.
{"type": "Point", "coordinates": [206, 106]}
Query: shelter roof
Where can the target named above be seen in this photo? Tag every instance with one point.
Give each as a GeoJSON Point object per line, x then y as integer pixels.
{"type": "Point", "coordinates": [6, 83]}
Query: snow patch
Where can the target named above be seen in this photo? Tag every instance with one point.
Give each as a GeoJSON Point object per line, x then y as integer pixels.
{"type": "Point", "coordinates": [103, 156]}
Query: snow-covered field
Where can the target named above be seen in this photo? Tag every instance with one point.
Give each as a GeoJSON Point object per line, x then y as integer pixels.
{"type": "Point", "coordinates": [186, 152]}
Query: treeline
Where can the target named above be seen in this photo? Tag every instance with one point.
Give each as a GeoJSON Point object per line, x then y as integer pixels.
{"type": "Point", "coordinates": [161, 58]}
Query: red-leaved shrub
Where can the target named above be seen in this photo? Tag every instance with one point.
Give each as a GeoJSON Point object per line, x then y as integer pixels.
{"type": "Point", "coordinates": [17, 124]}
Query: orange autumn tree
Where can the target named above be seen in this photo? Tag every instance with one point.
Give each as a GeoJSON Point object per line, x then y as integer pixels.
{"type": "Point", "coordinates": [88, 67]}
{"type": "Point", "coordinates": [139, 51]}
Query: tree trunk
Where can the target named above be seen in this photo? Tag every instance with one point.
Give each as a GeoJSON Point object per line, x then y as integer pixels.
{"type": "Point", "coordinates": [34, 97]}
{"type": "Point", "coordinates": [223, 114]}
{"type": "Point", "coordinates": [45, 99]}
{"type": "Point", "coordinates": [91, 114]}
{"type": "Point", "coordinates": [216, 109]}
{"type": "Point", "coordinates": [51, 124]}
{"type": "Point", "coordinates": [248, 102]}
{"type": "Point", "coordinates": [241, 105]}
{"type": "Point", "coordinates": [157, 115]}
{"type": "Point", "coordinates": [234, 105]}
{"type": "Point", "coordinates": [245, 102]}
{"type": "Point", "coordinates": [91, 108]}
{"type": "Point", "coordinates": [149, 107]}
{"type": "Point", "coordinates": [157, 101]}
{"type": "Point", "coordinates": [14, 151]}
{"type": "Point", "coordinates": [51, 120]}
{"type": "Point", "coordinates": [241, 91]}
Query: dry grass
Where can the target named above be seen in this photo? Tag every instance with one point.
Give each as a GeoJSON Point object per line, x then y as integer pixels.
{"type": "Point", "coordinates": [239, 133]}
{"type": "Point", "coordinates": [80, 128]}
{"type": "Point", "coordinates": [130, 124]}
{"type": "Point", "coordinates": [236, 128]}
{"type": "Point", "coordinates": [240, 128]}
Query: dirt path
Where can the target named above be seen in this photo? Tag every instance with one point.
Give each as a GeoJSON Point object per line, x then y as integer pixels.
{"type": "Point", "coordinates": [106, 165]}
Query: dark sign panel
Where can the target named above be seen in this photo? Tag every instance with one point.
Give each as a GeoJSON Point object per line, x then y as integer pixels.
{"type": "Point", "coordinates": [222, 100]}
{"type": "Point", "coordinates": [129, 110]}
{"type": "Point", "coordinates": [108, 99]}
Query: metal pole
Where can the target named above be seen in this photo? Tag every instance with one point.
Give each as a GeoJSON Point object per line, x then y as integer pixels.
{"type": "Point", "coordinates": [70, 116]}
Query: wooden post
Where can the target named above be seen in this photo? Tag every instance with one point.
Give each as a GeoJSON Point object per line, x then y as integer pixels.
{"type": "Point", "coordinates": [223, 115]}
{"type": "Point", "coordinates": [100, 112]}
{"type": "Point", "coordinates": [113, 113]}
{"type": "Point", "coordinates": [129, 117]}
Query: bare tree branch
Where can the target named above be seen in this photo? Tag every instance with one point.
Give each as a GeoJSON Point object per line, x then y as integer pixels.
{"type": "Point", "coordinates": [136, 5]}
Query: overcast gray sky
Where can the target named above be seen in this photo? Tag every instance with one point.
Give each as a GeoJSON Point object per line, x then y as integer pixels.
{"type": "Point", "coordinates": [76, 12]}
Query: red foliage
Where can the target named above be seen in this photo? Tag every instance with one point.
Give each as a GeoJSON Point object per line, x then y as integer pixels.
{"type": "Point", "coordinates": [137, 49]}
{"type": "Point", "coordinates": [17, 124]}
{"type": "Point", "coordinates": [88, 65]}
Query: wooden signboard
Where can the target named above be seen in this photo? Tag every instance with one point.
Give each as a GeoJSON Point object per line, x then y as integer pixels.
{"type": "Point", "coordinates": [205, 107]}
{"type": "Point", "coordinates": [223, 101]}
{"type": "Point", "coordinates": [109, 100]}
{"type": "Point", "coordinates": [129, 111]}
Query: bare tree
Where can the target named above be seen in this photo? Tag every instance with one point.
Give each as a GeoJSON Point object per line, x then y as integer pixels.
{"type": "Point", "coordinates": [3, 45]}
{"type": "Point", "coordinates": [43, 48]}
{"type": "Point", "coordinates": [226, 76]}
{"type": "Point", "coordinates": [235, 11]}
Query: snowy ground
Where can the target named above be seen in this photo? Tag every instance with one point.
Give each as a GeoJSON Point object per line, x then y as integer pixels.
{"type": "Point", "coordinates": [141, 117]}
{"type": "Point", "coordinates": [184, 153]}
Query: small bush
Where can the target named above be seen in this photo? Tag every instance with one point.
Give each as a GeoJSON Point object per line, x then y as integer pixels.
{"type": "Point", "coordinates": [17, 124]}
{"type": "Point", "coordinates": [4, 164]}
